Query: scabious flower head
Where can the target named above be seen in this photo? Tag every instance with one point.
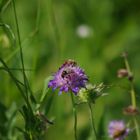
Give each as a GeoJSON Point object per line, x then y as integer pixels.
{"type": "Point", "coordinates": [118, 130]}
{"type": "Point", "coordinates": [69, 77]}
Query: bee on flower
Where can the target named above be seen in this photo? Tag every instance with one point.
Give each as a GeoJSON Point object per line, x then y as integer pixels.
{"type": "Point", "coordinates": [69, 77]}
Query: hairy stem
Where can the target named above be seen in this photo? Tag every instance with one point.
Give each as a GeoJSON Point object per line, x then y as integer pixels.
{"type": "Point", "coordinates": [92, 121]}
{"type": "Point", "coordinates": [75, 116]}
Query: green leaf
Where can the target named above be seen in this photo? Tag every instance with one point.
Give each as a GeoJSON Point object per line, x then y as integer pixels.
{"type": "Point", "coordinates": [44, 92]}
{"type": "Point", "coordinates": [49, 103]}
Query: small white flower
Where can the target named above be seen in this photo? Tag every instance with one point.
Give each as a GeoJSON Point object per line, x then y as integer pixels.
{"type": "Point", "coordinates": [84, 31]}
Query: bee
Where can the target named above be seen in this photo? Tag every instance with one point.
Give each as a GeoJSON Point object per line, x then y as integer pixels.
{"type": "Point", "coordinates": [119, 133]}
{"type": "Point", "coordinates": [64, 73]}
{"type": "Point", "coordinates": [67, 72]}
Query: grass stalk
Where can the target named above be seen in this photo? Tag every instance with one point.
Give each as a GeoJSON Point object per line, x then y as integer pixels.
{"type": "Point", "coordinates": [19, 42]}
{"type": "Point", "coordinates": [21, 57]}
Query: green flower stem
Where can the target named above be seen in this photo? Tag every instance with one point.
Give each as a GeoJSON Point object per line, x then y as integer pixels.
{"type": "Point", "coordinates": [137, 128]}
{"type": "Point", "coordinates": [92, 121]}
{"type": "Point", "coordinates": [133, 98]}
{"type": "Point", "coordinates": [133, 95]}
{"type": "Point", "coordinates": [75, 116]}
{"type": "Point", "coordinates": [127, 65]}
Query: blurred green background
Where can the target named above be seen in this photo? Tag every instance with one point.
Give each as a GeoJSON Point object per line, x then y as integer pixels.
{"type": "Point", "coordinates": [92, 32]}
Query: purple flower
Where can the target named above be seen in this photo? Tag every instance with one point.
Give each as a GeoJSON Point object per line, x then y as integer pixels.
{"type": "Point", "coordinates": [117, 130]}
{"type": "Point", "coordinates": [69, 77]}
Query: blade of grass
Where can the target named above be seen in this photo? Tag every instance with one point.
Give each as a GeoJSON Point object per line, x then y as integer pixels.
{"type": "Point", "coordinates": [21, 52]}
{"type": "Point", "coordinates": [8, 28]}
{"type": "Point", "coordinates": [13, 78]}
{"type": "Point", "coordinates": [17, 84]}
{"type": "Point", "coordinates": [26, 84]}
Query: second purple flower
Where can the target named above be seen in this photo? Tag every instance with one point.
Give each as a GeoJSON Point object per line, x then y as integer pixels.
{"type": "Point", "coordinates": [118, 130]}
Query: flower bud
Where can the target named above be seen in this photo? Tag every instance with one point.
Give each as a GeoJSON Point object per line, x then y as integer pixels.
{"type": "Point", "coordinates": [130, 110]}
{"type": "Point", "coordinates": [91, 93]}
{"type": "Point", "coordinates": [122, 73]}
